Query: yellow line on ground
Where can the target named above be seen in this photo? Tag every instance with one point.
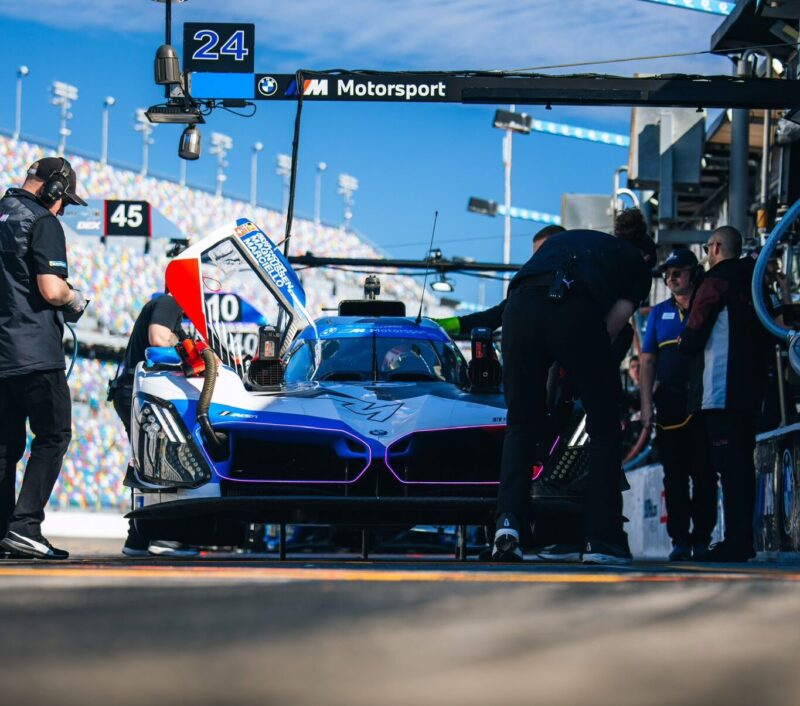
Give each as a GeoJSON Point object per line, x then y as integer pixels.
{"type": "Point", "coordinates": [374, 575]}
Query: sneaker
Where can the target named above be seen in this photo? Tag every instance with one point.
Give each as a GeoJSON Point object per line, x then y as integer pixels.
{"type": "Point", "coordinates": [135, 545]}
{"type": "Point", "coordinates": [727, 553]}
{"type": "Point", "coordinates": [506, 545]}
{"type": "Point", "coordinates": [561, 552]}
{"type": "Point", "coordinates": [605, 553]}
{"type": "Point", "coordinates": [700, 551]}
{"type": "Point", "coordinates": [680, 552]}
{"type": "Point", "coordinates": [37, 547]}
{"type": "Point", "coordinates": [161, 547]}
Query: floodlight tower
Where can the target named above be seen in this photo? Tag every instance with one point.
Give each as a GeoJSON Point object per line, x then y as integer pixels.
{"type": "Point", "coordinates": [321, 167]}
{"type": "Point", "coordinates": [144, 126]}
{"type": "Point", "coordinates": [220, 145]}
{"type": "Point", "coordinates": [283, 168]}
{"type": "Point", "coordinates": [107, 104]}
{"type": "Point", "coordinates": [63, 96]}
{"type": "Point", "coordinates": [22, 72]}
{"type": "Point", "coordinates": [510, 122]}
{"type": "Point", "coordinates": [348, 185]}
{"type": "Point", "coordinates": [257, 148]}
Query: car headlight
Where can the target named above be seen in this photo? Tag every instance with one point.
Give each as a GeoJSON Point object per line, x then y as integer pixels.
{"type": "Point", "coordinates": [165, 451]}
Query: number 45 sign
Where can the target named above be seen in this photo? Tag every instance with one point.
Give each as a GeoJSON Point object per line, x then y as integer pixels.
{"type": "Point", "coordinates": [127, 218]}
{"type": "Point", "coordinates": [220, 47]}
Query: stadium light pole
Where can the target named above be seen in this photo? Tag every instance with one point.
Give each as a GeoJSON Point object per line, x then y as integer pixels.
{"type": "Point", "coordinates": [63, 96]}
{"type": "Point", "coordinates": [144, 126]}
{"type": "Point", "coordinates": [107, 104]}
{"type": "Point", "coordinates": [221, 144]}
{"type": "Point", "coordinates": [22, 72]}
{"type": "Point", "coordinates": [510, 122]}
{"type": "Point", "coordinates": [283, 168]}
{"type": "Point", "coordinates": [348, 185]}
{"type": "Point", "coordinates": [321, 167]}
{"type": "Point", "coordinates": [257, 148]}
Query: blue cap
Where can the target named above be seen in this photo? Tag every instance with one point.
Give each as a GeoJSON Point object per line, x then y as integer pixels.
{"type": "Point", "coordinates": [679, 259]}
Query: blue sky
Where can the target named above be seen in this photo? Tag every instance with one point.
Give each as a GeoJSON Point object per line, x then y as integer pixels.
{"type": "Point", "coordinates": [410, 159]}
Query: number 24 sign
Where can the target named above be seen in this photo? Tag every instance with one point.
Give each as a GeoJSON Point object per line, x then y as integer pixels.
{"type": "Point", "coordinates": [221, 47]}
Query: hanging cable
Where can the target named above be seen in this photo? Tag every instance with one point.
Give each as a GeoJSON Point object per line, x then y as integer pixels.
{"type": "Point", "coordinates": [298, 78]}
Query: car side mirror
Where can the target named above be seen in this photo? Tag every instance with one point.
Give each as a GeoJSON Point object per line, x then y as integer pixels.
{"type": "Point", "coordinates": [484, 371]}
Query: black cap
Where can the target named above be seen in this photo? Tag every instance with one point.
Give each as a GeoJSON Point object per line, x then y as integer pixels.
{"type": "Point", "coordinates": [679, 259]}
{"type": "Point", "coordinates": [45, 168]}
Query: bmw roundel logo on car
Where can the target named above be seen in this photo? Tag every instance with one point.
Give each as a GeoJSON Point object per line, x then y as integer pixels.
{"type": "Point", "coordinates": [267, 86]}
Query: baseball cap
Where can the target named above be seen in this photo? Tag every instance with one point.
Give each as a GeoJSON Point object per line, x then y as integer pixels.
{"type": "Point", "coordinates": [44, 168]}
{"type": "Point", "coordinates": [679, 259]}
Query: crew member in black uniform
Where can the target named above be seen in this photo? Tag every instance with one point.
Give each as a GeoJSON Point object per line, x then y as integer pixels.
{"type": "Point", "coordinates": [492, 317]}
{"type": "Point", "coordinates": [158, 324]}
{"type": "Point", "coordinates": [34, 298]}
{"type": "Point", "coordinates": [568, 303]}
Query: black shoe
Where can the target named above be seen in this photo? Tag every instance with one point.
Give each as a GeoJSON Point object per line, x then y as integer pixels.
{"type": "Point", "coordinates": [700, 551]}
{"type": "Point", "coordinates": [135, 545]}
{"type": "Point", "coordinates": [37, 547]}
{"type": "Point", "coordinates": [727, 553]}
{"type": "Point", "coordinates": [605, 553]}
{"type": "Point", "coordinates": [506, 540]}
{"type": "Point", "coordinates": [561, 552]}
{"type": "Point", "coordinates": [680, 552]}
{"type": "Point", "coordinates": [163, 547]}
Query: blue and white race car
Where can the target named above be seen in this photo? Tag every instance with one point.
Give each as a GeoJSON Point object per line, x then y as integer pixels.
{"type": "Point", "coordinates": [363, 419]}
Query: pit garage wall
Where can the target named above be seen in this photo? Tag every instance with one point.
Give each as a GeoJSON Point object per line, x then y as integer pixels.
{"type": "Point", "coordinates": [777, 520]}
{"type": "Point", "coordinates": [777, 515]}
{"type": "Point", "coordinates": [647, 514]}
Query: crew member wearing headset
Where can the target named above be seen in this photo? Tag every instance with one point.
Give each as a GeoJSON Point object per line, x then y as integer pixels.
{"type": "Point", "coordinates": [35, 298]}
{"type": "Point", "coordinates": [681, 439]}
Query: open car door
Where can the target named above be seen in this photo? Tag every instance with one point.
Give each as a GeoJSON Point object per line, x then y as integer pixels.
{"type": "Point", "coordinates": [237, 268]}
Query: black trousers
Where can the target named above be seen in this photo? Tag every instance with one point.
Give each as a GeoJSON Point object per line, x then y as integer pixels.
{"type": "Point", "coordinates": [42, 399]}
{"type": "Point", "coordinates": [732, 440]}
{"type": "Point", "coordinates": [536, 332]}
{"type": "Point", "coordinates": [685, 455]}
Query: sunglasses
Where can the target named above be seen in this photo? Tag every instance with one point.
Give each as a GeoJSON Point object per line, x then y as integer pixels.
{"type": "Point", "coordinates": [675, 274]}
{"type": "Point", "coordinates": [708, 245]}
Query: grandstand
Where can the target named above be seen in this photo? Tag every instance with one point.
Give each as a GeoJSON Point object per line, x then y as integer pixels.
{"type": "Point", "coordinates": [120, 279]}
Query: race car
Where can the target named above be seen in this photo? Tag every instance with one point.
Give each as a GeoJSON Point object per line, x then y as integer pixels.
{"type": "Point", "coordinates": [369, 418]}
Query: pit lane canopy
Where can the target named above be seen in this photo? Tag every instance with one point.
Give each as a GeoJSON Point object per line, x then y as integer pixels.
{"type": "Point", "coordinates": [678, 90]}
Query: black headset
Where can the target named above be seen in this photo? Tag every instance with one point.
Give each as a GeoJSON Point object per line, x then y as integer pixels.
{"type": "Point", "coordinates": [56, 184]}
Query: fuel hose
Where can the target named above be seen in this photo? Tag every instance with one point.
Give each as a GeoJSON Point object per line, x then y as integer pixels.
{"type": "Point", "coordinates": [217, 439]}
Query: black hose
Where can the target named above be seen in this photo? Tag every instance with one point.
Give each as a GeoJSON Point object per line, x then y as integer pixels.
{"type": "Point", "coordinates": [217, 439]}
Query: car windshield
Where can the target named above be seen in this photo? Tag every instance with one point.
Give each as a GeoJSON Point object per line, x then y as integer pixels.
{"type": "Point", "coordinates": [371, 359]}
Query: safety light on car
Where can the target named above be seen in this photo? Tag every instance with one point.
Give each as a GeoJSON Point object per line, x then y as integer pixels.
{"type": "Point", "coordinates": [166, 455]}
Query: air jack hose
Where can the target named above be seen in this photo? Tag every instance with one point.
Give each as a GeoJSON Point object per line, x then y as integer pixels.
{"type": "Point", "coordinates": [218, 440]}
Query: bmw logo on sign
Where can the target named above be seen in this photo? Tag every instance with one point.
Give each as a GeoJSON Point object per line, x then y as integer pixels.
{"type": "Point", "coordinates": [267, 86]}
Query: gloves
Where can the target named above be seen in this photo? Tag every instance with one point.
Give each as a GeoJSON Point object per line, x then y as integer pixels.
{"type": "Point", "coordinates": [78, 303]}
{"type": "Point", "coordinates": [452, 324]}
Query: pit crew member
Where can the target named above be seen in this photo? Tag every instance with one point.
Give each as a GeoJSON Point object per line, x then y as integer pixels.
{"type": "Point", "coordinates": [681, 441]}
{"type": "Point", "coordinates": [567, 303]}
{"type": "Point", "coordinates": [34, 299]}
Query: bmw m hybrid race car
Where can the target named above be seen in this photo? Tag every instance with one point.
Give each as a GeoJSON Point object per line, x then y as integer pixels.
{"type": "Point", "coordinates": [364, 419]}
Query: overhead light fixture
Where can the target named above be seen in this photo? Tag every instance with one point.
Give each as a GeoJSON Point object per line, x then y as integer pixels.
{"type": "Point", "coordinates": [442, 284]}
{"type": "Point", "coordinates": [174, 114]}
{"type": "Point", "coordinates": [516, 122]}
{"type": "Point", "coordinates": [484, 206]}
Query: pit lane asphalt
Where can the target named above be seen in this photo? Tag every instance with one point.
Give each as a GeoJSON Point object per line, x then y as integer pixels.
{"type": "Point", "coordinates": [248, 629]}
